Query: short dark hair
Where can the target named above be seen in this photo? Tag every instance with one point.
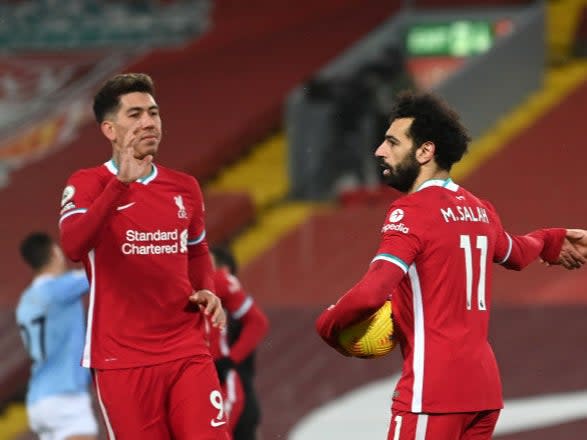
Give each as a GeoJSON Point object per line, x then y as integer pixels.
{"type": "Point", "coordinates": [434, 121]}
{"type": "Point", "coordinates": [224, 257]}
{"type": "Point", "coordinates": [107, 99]}
{"type": "Point", "coordinates": [36, 248]}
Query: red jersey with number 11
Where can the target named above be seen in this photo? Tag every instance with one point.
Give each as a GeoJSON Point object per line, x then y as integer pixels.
{"type": "Point", "coordinates": [445, 239]}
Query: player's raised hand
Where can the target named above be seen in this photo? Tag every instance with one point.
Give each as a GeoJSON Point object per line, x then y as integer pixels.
{"type": "Point", "coordinates": [211, 305]}
{"type": "Point", "coordinates": [573, 253]}
{"type": "Point", "coordinates": [131, 167]}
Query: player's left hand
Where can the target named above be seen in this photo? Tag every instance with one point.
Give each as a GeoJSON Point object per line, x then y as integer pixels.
{"type": "Point", "coordinates": [573, 253]}
{"type": "Point", "coordinates": [211, 305]}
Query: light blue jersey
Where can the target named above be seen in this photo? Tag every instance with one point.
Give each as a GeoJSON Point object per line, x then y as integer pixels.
{"type": "Point", "coordinates": [51, 318]}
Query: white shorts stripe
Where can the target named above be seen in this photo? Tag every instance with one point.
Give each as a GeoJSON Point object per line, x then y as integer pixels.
{"type": "Point", "coordinates": [230, 392]}
{"type": "Point", "coordinates": [87, 354]}
{"type": "Point", "coordinates": [109, 429]}
{"type": "Point", "coordinates": [421, 426]}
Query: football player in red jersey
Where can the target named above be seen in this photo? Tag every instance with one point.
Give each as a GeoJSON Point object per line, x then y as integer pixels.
{"type": "Point", "coordinates": [436, 253]}
{"type": "Point", "coordinates": [239, 349]}
{"type": "Point", "coordinates": [138, 227]}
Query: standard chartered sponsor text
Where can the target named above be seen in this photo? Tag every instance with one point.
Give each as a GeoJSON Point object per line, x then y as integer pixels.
{"type": "Point", "coordinates": [141, 242]}
{"type": "Point", "coordinates": [158, 235]}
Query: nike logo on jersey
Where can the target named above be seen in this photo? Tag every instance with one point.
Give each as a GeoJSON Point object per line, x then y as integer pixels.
{"type": "Point", "coordinates": [216, 423]}
{"type": "Point", "coordinates": [128, 205]}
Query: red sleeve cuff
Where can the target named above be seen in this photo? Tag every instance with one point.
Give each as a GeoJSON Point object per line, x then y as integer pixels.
{"type": "Point", "coordinates": [553, 242]}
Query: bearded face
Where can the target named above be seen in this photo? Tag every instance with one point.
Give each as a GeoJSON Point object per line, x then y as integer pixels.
{"type": "Point", "coordinates": [402, 175]}
{"type": "Point", "coordinates": [397, 156]}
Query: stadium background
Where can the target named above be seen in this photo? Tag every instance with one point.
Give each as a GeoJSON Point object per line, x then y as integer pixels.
{"type": "Point", "coordinates": [263, 101]}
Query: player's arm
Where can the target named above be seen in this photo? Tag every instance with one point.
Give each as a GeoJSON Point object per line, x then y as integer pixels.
{"type": "Point", "coordinates": [243, 308]}
{"type": "Point", "coordinates": [255, 326]}
{"type": "Point", "coordinates": [200, 267]}
{"type": "Point", "coordinates": [398, 249]}
{"type": "Point", "coordinates": [517, 251]}
{"type": "Point", "coordinates": [85, 213]}
{"type": "Point", "coordinates": [199, 262]}
{"type": "Point", "coordinates": [361, 301]}
{"type": "Point", "coordinates": [69, 287]}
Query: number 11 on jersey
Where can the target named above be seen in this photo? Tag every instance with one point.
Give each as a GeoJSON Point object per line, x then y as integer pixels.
{"type": "Point", "coordinates": [481, 244]}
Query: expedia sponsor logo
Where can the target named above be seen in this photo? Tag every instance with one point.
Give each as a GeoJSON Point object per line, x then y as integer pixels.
{"type": "Point", "coordinates": [155, 242]}
{"type": "Point", "coordinates": [400, 227]}
{"type": "Point", "coordinates": [396, 215]}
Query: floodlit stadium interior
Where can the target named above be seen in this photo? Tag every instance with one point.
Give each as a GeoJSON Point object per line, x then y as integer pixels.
{"type": "Point", "coordinates": [276, 108]}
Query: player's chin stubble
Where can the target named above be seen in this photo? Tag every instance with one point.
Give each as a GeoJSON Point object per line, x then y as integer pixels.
{"type": "Point", "coordinates": [403, 175]}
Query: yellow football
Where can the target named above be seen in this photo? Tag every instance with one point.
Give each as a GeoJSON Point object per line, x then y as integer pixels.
{"type": "Point", "coordinates": [372, 337]}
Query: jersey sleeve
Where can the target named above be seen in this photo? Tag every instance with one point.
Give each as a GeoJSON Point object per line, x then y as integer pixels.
{"type": "Point", "coordinates": [199, 261]}
{"type": "Point", "coordinates": [230, 291]}
{"type": "Point", "coordinates": [241, 307]}
{"type": "Point", "coordinates": [517, 251]}
{"type": "Point", "coordinates": [401, 242]}
{"type": "Point", "coordinates": [401, 236]}
{"type": "Point", "coordinates": [255, 326]}
{"type": "Point", "coordinates": [86, 206]}
{"type": "Point", "coordinates": [69, 287]}
{"type": "Point", "coordinates": [361, 301]}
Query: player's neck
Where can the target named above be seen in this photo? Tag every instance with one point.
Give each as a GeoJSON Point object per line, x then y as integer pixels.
{"type": "Point", "coordinates": [426, 174]}
{"type": "Point", "coordinates": [51, 269]}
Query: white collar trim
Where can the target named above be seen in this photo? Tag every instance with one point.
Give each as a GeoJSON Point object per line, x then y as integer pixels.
{"type": "Point", "coordinates": [111, 166]}
{"type": "Point", "coordinates": [444, 183]}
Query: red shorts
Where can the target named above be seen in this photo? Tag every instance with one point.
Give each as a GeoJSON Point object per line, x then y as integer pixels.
{"type": "Point", "coordinates": [178, 400]}
{"type": "Point", "coordinates": [455, 426]}
{"type": "Point", "coordinates": [234, 399]}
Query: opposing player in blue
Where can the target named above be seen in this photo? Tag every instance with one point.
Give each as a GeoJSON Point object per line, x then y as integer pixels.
{"type": "Point", "coordinates": [50, 315]}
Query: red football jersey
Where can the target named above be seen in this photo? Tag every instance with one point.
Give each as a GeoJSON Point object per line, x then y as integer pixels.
{"type": "Point", "coordinates": [435, 259]}
{"type": "Point", "coordinates": [144, 249]}
{"type": "Point", "coordinates": [445, 239]}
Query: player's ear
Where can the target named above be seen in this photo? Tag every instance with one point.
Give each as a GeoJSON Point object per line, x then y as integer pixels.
{"type": "Point", "coordinates": [108, 130]}
{"type": "Point", "coordinates": [426, 152]}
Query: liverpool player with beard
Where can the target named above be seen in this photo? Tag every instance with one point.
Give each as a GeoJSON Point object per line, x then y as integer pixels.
{"type": "Point", "coordinates": [437, 248]}
{"type": "Point", "coordinates": [139, 229]}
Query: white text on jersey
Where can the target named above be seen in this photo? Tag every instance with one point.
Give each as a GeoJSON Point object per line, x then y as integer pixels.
{"type": "Point", "coordinates": [465, 214]}
{"type": "Point", "coordinates": [400, 227]}
{"type": "Point", "coordinates": [177, 242]}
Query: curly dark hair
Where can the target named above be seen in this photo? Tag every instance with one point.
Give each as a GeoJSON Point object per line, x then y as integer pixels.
{"type": "Point", "coordinates": [107, 100]}
{"type": "Point", "coordinates": [434, 121]}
